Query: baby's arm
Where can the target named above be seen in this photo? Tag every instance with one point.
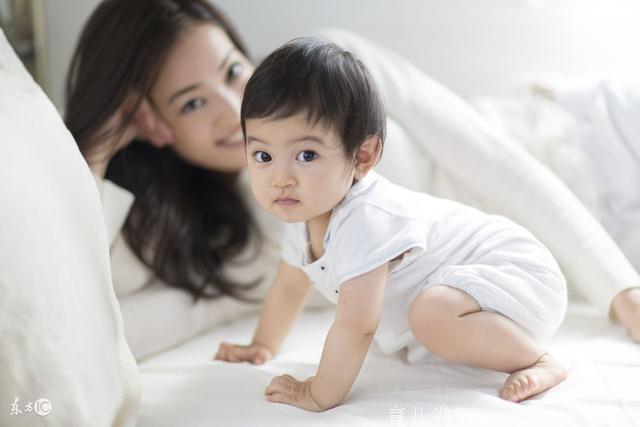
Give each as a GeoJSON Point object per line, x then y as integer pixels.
{"type": "Point", "coordinates": [345, 348]}
{"type": "Point", "coordinates": [283, 304]}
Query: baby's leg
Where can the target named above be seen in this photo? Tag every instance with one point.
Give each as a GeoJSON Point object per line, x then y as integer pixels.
{"type": "Point", "coordinates": [450, 324]}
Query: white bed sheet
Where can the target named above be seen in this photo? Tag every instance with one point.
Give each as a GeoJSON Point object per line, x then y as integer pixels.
{"type": "Point", "coordinates": [182, 387]}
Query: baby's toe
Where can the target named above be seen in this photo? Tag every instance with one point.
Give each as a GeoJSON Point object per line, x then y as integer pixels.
{"type": "Point", "coordinates": [509, 392]}
{"type": "Point", "coordinates": [532, 384]}
{"type": "Point", "coordinates": [525, 387]}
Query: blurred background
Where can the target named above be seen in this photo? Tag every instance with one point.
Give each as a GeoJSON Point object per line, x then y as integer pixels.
{"type": "Point", "coordinates": [476, 47]}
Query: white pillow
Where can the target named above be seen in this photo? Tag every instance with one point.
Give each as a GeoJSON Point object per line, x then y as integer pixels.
{"type": "Point", "coordinates": [588, 133]}
{"type": "Point", "coordinates": [63, 358]}
{"type": "Point", "coordinates": [606, 128]}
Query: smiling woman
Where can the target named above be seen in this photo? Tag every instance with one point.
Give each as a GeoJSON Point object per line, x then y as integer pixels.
{"type": "Point", "coordinates": [153, 100]}
{"type": "Point", "coordinates": [200, 106]}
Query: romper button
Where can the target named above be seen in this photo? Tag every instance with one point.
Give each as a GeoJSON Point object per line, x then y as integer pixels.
{"type": "Point", "coordinates": [336, 291]}
{"type": "Point", "coordinates": [322, 267]}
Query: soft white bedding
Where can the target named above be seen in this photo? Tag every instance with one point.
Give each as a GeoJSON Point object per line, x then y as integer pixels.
{"type": "Point", "coordinates": [183, 387]}
{"type": "Point", "coordinates": [588, 133]}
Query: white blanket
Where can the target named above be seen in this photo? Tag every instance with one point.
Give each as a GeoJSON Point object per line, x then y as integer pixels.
{"type": "Point", "coordinates": [183, 387]}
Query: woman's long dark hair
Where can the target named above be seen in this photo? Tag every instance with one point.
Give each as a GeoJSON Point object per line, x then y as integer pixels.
{"type": "Point", "coordinates": [186, 221]}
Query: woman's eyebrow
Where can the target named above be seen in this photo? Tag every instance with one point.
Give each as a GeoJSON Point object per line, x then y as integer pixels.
{"type": "Point", "coordinates": [196, 85]}
{"type": "Point", "coordinates": [183, 91]}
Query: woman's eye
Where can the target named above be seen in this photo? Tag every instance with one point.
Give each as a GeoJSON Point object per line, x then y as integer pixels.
{"type": "Point", "coordinates": [234, 71]}
{"type": "Point", "coordinates": [307, 156]}
{"type": "Point", "coordinates": [193, 104]}
{"type": "Point", "coordinates": [261, 157]}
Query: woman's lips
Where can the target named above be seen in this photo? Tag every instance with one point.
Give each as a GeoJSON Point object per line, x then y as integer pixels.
{"type": "Point", "coordinates": [233, 139]}
{"type": "Point", "coordinates": [231, 144]}
{"type": "Point", "coordinates": [286, 201]}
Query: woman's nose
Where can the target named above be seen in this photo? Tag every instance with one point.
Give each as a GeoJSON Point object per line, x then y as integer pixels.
{"type": "Point", "coordinates": [228, 104]}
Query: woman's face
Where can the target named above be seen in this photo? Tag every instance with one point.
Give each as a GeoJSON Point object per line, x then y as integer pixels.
{"type": "Point", "coordinates": [198, 94]}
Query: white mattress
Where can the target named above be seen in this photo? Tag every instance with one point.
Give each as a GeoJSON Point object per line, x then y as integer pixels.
{"type": "Point", "coordinates": [182, 387]}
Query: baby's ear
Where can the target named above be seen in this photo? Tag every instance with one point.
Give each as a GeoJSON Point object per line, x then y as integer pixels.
{"type": "Point", "coordinates": [367, 156]}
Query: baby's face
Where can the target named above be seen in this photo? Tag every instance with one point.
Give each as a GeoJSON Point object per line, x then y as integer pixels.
{"type": "Point", "coordinates": [297, 171]}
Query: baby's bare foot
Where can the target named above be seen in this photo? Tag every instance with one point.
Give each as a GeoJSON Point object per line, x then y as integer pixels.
{"type": "Point", "coordinates": [545, 373]}
{"type": "Point", "coordinates": [626, 307]}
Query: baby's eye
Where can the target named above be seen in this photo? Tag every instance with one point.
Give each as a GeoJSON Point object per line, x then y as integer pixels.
{"type": "Point", "coordinates": [307, 156]}
{"type": "Point", "coordinates": [192, 105]}
{"type": "Point", "coordinates": [261, 157]}
{"type": "Point", "coordinates": [234, 71]}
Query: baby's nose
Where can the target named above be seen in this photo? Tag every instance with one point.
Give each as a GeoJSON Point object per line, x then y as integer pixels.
{"type": "Point", "coordinates": [283, 180]}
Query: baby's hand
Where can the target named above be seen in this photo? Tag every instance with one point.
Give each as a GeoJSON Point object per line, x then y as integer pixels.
{"type": "Point", "coordinates": [253, 353]}
{"type": "Point", "coordinates": [286, 389]}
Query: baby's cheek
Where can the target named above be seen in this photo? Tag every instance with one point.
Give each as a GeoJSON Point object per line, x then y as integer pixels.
{"type": "Point", "coordinates": [263, 199]}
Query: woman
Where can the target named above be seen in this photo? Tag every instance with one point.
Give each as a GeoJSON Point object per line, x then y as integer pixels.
{"type": "Point", "coordinates": [188, 217]}
{"type": "Point", "coordinates": [153, 101]}
{"type": "Point", "coordinates": [168, 136]}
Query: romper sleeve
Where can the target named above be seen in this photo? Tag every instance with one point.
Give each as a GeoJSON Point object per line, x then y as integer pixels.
{"type": "Point", "coordinates": [369, 237]}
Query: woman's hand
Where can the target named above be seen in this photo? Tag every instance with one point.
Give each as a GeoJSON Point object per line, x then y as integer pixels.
{"type": "Point", "coordinates": [255, 353]}
{"type": "Point", "coordinates": [286, 389]}
{"type": "Point", "coordinates": [145, 124]}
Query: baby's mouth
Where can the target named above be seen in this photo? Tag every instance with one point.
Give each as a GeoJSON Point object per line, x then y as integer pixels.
{"type": "Point", "coordinates": [286, 201]}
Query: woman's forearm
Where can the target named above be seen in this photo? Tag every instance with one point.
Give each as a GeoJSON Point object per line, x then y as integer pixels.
{"type": "Point", "coordinates": [344, 351]}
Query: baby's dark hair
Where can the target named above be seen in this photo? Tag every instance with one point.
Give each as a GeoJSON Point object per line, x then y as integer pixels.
{"type": "Point", "coordinates": [325, 81]}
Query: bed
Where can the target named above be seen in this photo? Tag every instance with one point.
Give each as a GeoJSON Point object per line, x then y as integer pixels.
{"type": "Point", "coordinates": [184, 387]}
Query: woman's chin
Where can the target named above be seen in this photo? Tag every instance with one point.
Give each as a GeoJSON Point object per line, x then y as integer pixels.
{"type": "Point", "coordinates": [228, 168]}
{"type": "Point", "coordinates": [223, 164]}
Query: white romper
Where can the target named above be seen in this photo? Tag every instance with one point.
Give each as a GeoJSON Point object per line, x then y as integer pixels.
{"type": "Point", "coordinates": [442, 242]}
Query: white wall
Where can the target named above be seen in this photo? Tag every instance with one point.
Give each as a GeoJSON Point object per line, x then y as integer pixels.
{"type": "Point", "coordinates": [476, 47]}
{"type": "Point", "coordinates": [63, 22]}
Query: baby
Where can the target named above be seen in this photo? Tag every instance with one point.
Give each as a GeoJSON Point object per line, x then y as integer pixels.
{"type": "Point", "coordinates": [404, 268]}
